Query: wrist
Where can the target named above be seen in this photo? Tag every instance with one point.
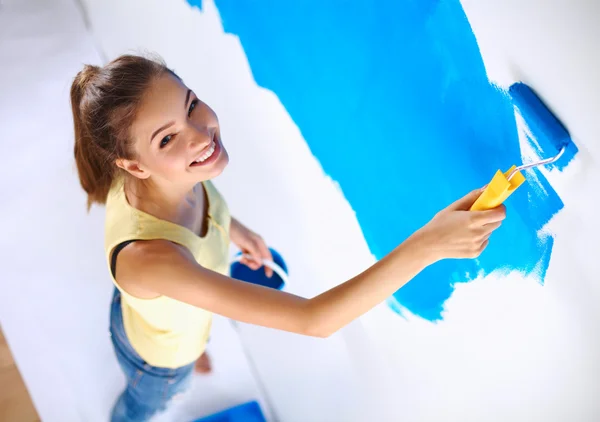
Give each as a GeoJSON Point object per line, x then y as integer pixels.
{"type": "Point", "coordinates": [424, 246]}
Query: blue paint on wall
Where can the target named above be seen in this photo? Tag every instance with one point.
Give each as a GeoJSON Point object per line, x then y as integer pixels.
{"type": "Point", "coordinates": [393, 100]}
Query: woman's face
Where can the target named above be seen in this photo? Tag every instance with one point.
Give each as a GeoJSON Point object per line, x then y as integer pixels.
{"type": "Point", "coordinates": [176, 136]}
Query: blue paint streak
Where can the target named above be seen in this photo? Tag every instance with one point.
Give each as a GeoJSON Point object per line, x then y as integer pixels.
{"type": "Point", "coordinates": [406, 79]}
{"type": "Point", "coordinates": [195, 3]}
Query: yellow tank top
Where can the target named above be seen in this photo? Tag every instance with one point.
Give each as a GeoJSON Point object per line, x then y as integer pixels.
{"type": "Point", "coordinates": [163, 331]}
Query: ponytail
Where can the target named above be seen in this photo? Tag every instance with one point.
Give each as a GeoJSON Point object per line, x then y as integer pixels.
{"type": "Point", "coordinates": [104, 101]}
{"type": "Point", "coordinates": [94, 164]}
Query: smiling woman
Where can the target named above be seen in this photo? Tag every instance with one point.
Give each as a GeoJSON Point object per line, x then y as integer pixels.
{"type": "Point", "coordinates": [188, 136]}
{"type": "Point", "coordinates": [147, 147]}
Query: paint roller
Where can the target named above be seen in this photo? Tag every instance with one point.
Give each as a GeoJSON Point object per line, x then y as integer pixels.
{"type": "Point", "coordinates": [545, 130]}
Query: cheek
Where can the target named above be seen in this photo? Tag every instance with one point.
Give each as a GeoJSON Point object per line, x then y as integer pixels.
{"type": "Point", "coordinates": [162, 162]}
{"type": "Point", "coordinates": [173, 160]}
{"type": "Point", "coordinates": [168, 163]}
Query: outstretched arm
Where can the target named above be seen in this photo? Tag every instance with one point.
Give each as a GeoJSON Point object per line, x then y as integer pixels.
{"type": "Point", "coordinates": [167, 269]}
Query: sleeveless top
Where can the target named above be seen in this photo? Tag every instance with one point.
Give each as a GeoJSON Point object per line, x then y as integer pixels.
{"type": "Point", "coordinates": [163, 331]}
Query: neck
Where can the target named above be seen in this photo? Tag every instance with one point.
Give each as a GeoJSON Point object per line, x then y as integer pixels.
{"type": "Point", "coordinates": [163, 200]}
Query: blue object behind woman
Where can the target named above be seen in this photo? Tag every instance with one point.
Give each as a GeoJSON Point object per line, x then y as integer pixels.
{"type": "Point", "coordinates": [242, 272]}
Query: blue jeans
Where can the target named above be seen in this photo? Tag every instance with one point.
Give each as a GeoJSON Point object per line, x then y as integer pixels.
{"type": "Point", "coordinates": [149, 388]}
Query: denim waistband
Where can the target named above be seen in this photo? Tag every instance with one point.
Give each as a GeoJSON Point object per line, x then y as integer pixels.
{"type": "Point", "coordinates": [120, 341]}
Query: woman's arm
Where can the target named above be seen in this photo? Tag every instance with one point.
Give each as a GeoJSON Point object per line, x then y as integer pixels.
{"type": "Point", "coordinates": [168, 269]}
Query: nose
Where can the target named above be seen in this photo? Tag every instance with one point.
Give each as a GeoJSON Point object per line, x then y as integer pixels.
{"type": "Point", "coordinates": [200, 135]}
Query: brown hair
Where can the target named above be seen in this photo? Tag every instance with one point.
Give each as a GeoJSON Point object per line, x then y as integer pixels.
{"type": "Point", "coordinates": [105, 101]}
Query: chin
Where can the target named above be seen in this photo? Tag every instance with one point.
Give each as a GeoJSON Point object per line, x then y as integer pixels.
{"type": "Point", "coordinates": [218, 167]}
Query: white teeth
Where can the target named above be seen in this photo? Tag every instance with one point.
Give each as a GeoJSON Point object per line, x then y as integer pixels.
{"type": "Point", "coordinates": [207, 154]}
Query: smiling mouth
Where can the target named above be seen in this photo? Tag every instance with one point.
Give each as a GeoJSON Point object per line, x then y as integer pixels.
{"type": "Point", "coordinates": [206, 156]}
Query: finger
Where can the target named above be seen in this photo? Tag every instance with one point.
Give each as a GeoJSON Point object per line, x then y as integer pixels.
{"type": "Point", "coordinates": [250, 263]}
{"type": "Point", "coordinates": [265, 253]}
{"type": "Point", "coordinates": [254, 254]}
{"type": "Point", "coordinates": [483, 246]}
{"type": "Point", "coordinates": [268, 271]}
{"type": "Point", "coordinates": [490, 216]}
{"type": "Point", "coordinates": [476, 250]}
{"type": "Point", "coordinates": [489, 228]}
{"type": "Point", "coordinates": [485, 238]}
{"type": "Point", "coordinates": [464, 203]}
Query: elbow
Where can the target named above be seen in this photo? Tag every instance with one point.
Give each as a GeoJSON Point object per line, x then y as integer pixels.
{"type": "Point", "coordinates": [318, 332]}
{"type": "Point", "coordinates": [325, 334]}
{"type": "Point", "coordinates": [316, 325]}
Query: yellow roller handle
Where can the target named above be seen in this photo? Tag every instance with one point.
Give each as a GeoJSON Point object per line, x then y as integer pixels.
{"type": "Point", "coordinates": [498, 190]}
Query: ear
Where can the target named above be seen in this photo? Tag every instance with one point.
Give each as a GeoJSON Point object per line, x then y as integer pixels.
{"type": "Point", "coordinates": [132, 167]}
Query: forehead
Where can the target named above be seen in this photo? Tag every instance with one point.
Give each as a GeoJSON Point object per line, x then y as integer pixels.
{"type": "Point", "coordinates": [163, 102]}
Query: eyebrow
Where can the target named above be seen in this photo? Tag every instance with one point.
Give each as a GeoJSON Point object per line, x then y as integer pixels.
{"type": "Point", "coordinates": [171, 123]}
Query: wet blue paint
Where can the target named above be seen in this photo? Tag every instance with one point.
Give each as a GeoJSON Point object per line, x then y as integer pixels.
{"type": "Point", "coordinates": [547, 134]}
{"type": "Point", "coordinates": [406, 80]}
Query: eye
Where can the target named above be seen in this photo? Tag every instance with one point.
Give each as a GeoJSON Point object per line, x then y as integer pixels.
{"type": "Point", "coordinates": [192, 106]}
{"type": "Point", "coordinates": [165, 140]}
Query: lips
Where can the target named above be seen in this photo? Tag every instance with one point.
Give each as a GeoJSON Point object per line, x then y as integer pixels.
{"type": "Point", "coordinates": [208, 154]}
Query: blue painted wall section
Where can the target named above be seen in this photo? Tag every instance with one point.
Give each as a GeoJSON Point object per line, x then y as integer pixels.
{"type": "Point", "coordinates": [393, 100]}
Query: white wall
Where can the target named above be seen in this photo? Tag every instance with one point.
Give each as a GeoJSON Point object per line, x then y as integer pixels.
{"type": "Point", "coordinates": [55, 288]}
{"type": "Point", "coordinates": [508, 348]}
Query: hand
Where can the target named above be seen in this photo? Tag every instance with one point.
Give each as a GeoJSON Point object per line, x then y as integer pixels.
{"type": "Point", "coordinates": [251, 244]}
{"type": "Point", "coordinates": [456, 232]}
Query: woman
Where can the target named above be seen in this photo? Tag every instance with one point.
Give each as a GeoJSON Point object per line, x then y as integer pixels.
{"type": "Point", "coordinates": [147, 148]}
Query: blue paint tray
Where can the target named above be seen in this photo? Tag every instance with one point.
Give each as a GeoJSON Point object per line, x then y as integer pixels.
{"type": "Point", "coordinates": [247, 412]}
{"type": "Point", "coordinates": [242, 272]}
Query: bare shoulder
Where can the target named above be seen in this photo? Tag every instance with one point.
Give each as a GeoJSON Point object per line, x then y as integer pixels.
{"type": "Point", "coordinates": [151, 269]}
{"type": "Point", "coordinates": [142, 250]}
{"type": "Point", "coordinates": [140, 262]}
